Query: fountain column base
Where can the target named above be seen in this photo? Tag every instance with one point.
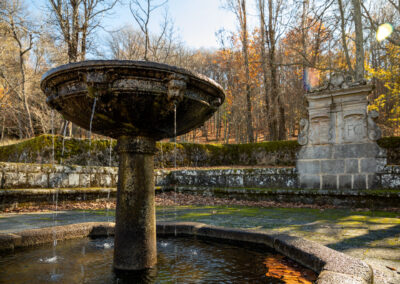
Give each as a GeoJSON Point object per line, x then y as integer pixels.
{"type": "Point", "coordinates": [135, 229]}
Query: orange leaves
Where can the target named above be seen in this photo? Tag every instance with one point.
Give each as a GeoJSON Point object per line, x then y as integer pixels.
{"type": "Point", "coordinates": [3, 97]}
{"type": "Point", "coordinates": [288, 271]}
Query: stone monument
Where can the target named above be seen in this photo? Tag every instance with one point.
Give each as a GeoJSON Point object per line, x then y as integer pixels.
{"type": "Point", "coordinates": [339, 149]}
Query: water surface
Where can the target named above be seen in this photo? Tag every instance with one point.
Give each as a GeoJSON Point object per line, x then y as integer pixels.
{"type": "Point", "coordinates": [180, 260]}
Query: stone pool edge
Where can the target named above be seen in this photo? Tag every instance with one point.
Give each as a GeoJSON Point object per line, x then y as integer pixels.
{"type": "Point", "coordinates": [332, 266]}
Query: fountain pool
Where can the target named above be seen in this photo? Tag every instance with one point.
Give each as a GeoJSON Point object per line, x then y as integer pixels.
{"type": "Point", "coordinates": [180, 260]}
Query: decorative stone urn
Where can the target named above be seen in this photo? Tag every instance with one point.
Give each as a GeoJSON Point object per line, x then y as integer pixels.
{"type": "Point", "coordinates": [137, 103]}
{"type": "Point", "coordinates": [339, 149]}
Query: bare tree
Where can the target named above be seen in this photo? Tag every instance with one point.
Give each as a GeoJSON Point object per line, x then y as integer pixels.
{"type": "Point", "coordinates": [278, 129]}
{"type": "Point", "coordinates": [19, 29]}
{"type": "Point", "coordinates": [239, 8]}
{"type": "Point", "coordinates": [76, 21]}
{"type": "Point", "coordinates": [268, 101]}
{"type": "Point", "coordinates": [141, 11]}
{"type": "Point", "coordinates": [359, 40]}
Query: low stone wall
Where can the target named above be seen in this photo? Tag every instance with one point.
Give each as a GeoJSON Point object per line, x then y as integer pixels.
{"type": "Point", "coordinates": [20, 176]}
{"type": "Point", "coordinates": [260, 177]}
{"type": "Point", "coordinates": [17, 175]}
{"type": "Point", "coordinates": [24, 184]}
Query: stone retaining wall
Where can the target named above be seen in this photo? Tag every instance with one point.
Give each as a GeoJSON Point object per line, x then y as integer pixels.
{"type": "Point", "coordinates": [260, 177]}
{"type": "Point", "coordinates": [19, 176]}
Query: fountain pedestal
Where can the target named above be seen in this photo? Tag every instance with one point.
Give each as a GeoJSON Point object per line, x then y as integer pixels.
{"type": "Point", "coordinates": [135, 229]}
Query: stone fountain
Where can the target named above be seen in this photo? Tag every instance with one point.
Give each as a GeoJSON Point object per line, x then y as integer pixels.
{"type": "Point", "coordinates": [136, 103]}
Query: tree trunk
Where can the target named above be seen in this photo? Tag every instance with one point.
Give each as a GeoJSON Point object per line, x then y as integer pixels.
{"type": "Point", "coordinates": [268, 95]}
{"type": "Point", "coordinates": [244, 37]}
{"type": "Point", "coordinates": [359, 70]}
{"type": "Point", "coordinates": [343, 34]}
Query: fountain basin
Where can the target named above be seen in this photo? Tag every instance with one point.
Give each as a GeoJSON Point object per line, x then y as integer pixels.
{"type": "Point", "coordinates": [332, 266]}
{"type": "Point", "coordinates": [133, 98]}
{"type": "Point", "coordinates": [180, 260]}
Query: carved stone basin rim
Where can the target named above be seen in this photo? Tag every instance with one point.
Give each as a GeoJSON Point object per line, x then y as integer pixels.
{"type": "Point", "coordinates": [103, 64]}
{"type": "Point", "coordinates": [133, 98]}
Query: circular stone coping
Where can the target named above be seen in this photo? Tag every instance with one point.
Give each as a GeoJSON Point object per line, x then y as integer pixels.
{"type": "Point", "coordinates": [130, 64]}
{"type": "Point", "coordinates": [332, 266]}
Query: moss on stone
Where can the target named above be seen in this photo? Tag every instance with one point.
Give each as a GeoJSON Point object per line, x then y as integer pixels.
{"type": "Point", "coordinates": [389, 142]}
{"type": "Point", "coordinates": [392, 146]}
{"type": "Point", "coordinates": [76, 151]}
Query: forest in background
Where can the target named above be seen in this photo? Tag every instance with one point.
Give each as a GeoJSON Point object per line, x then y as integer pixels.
{"type": "Point", "coordinates": [265, 70]}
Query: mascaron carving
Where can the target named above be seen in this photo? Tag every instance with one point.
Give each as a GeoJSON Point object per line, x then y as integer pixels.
{"type": "Point", "coordinates": [176, 87]}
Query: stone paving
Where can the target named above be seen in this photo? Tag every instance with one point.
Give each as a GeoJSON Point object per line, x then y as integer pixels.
{"type": "Point", "coordinates": [373, 236]}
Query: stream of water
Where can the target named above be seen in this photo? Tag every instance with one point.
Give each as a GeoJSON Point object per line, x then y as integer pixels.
{"type": "Point", "coordinates": [175, 213]}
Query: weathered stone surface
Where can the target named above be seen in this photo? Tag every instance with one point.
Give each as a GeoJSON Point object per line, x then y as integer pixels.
{"type": "Point", "coordinates": [368, 165]}
{"type": "Point", "coordinates": [178, 228]}
{"type": "Point", "coordinates": [135, 231]}
{"type": "Point", "coordinates": [147, 110]}
{"type": "Point", "coordinates": [329, 277]}
{"type": "Point", "coordinates": [257, 237]}
{"type": "Point", "coordinates": [73, 180]}
{"type": "Point", "coordinates": [320, 258]}
{"type": "Point", "coordinates": [105, 180]}
{"type": "Point", "coordinates": [351, 166]}
{"type": "Point", "coordinates": [37, 180]}
{"type": "Point", "coordinates": [94, 180]}
{"type": "Point", "coordinates": [13, 179]}
{"type": "Point", "coordinates": [359, 181]}
{"type": "Point", "coordinates": [84, 180]}
{"type": "Point", "coordinates": [58, 180]}
{"type": "Point", "coordinates": [332, 166]}
{"type": "Point", "coordinates": [345, 181]}
{"type": "Point", "coordinates": [310, 181]}
{"type": "Point", "coordinates": [315, 152]}
{"type": "Point", "coordinates": [374, 181]}
{"type": "Point", "coordinates": [308, 167]}
{"type": "Point", "coordinates": [391, 181]}
{"type": "Point", "coordinates": [367, 150]}
{"type": "Point", "coordinates": [329, 181]}
{"type": "Point", "coordinates": [9, 241]}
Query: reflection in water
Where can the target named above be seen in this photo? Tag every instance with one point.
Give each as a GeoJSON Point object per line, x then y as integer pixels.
{"type": "Point", "coordinates": [195, 261]}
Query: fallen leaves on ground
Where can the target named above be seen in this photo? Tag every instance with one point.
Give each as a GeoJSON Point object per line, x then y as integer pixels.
{"type": "Point", "coordinates": [170, 198]}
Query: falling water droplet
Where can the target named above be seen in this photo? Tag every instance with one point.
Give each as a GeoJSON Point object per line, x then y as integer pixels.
{"type": "Point", "coordinates": [175, 204]}
{"type": "Point", "coordinates": [63, 140]}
